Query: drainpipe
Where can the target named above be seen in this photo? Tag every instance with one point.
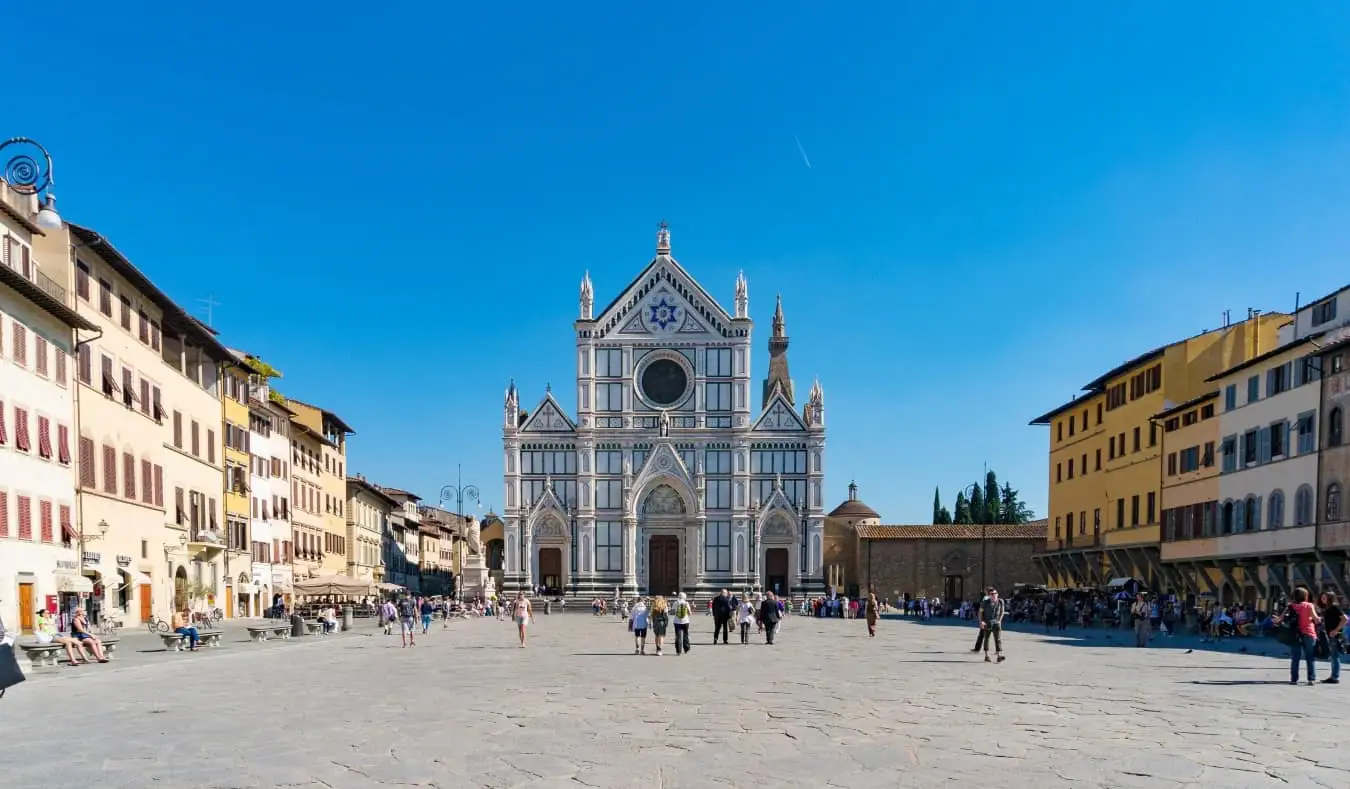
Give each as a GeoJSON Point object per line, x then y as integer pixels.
{"type": "Point", "coordinates": [75, 402]}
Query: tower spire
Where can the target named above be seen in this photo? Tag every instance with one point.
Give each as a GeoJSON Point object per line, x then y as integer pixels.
{"type": "Point", "coordinates": [742, 296]}
{"type": "Point", "coordinates": [778, 363]}
{"type": "Point", "coordinates": [587, 297]}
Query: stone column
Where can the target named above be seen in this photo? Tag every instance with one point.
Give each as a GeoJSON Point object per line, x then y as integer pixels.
{"type": "Point", "coordinates": [630, 554]}
{"type": "Point", "coordinates": [527, 568]}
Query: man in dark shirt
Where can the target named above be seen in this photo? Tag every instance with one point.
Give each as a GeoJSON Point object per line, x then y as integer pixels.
{"type": "Point", "coordinates": [991, 622]}
{"type": "Point", "coordinates": [770, 615]}
{"type": "Point", "coordinates": [721, 611]}
{"type": "Point", "coordinates": [1333, 621]}
{"type": "Point", "coordinates": [407, 614]}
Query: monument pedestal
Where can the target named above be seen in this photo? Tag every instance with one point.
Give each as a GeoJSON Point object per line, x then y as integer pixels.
{"type": "Point", "coordinates": [475, 581]}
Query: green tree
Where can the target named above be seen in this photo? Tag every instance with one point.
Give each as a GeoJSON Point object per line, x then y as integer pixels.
{"type": "Point", "coordinates": [944, 517]}
{"type": "Point", "coordinates": [992, 498]}
{"type": "Point", "coordinates": [962, 508]}
{"type": "Point", "coordinates": [978, 510]}
{"type": "Point", "coordinates": [937, 505]}
{"type": "Point", "coordinates": [1012, 508]}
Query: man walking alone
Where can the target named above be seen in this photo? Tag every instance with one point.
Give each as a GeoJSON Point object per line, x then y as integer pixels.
{"type": "Point", "coordinates": [991, 623]}
{"type": "Point", "coordinates": [983, 634]}
{"type": "Point", "coordinates": [721, 611]}
{"type": "Point", "coordinates": [1143, 622]}
{"type": "Point", "coordinates": [769, 616]}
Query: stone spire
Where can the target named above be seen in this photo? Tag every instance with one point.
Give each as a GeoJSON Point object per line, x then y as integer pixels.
{"type": "Point", "coordinates": [587, 297]}
{"type": "Point", "coordinates": [742, 296]}
{"type": "Point", "coordinates": [778, 363]}
{"type": "Point", "coordinates": [815, 406]}
{"type": "Point", "coordinates": [512, 407]}
{"type": "Point", "coordinates": [663, 238]}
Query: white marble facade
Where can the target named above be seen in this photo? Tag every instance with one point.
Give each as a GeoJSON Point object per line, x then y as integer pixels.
{"type": "Point", "coordinates": [667, 480]}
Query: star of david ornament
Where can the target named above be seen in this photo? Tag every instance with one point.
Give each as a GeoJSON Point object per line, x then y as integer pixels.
{"type": "Point", "coordinates": [663, 314]}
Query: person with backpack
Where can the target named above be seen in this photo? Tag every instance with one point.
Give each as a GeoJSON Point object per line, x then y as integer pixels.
{"type": "Point", "coordinates": [769, 616]}
{"type": "Point", "coordinates": [683, 616]}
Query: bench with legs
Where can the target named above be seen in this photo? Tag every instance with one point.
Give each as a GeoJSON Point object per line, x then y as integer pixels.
{"type": "Point", "coordinates": [40, 655]}
{"type": "Point", "coordinates": [262, 633]}
{"type": "Point", "coordinates": [177, 642]}
{"type": "Point", "coordinates": [313, 628]}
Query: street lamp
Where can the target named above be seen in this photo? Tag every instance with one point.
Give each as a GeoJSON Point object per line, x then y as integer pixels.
{"type": "Point", "coordinates": [28, 171]}
{"type": "Point", "coordinates": [969, 492]}
{"type": "Point", "coordinates": [458, 493]}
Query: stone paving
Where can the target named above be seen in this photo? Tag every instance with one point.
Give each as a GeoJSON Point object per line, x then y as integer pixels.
{"type": "Point", "coordinates": [826, 707]}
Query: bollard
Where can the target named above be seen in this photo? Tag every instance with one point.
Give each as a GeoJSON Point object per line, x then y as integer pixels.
{"type": "Point", "coordinates": [297, 626]}
{"type": "Point", "coordinates": [548, 607]}
{"type": "Point", "coordinates": [348, 618]}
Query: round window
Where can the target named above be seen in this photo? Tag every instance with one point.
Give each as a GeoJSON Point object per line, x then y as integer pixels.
{"type": "Point", "coordinates": [664, 382]}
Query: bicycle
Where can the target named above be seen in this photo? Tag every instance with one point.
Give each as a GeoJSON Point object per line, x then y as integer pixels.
{"type": "Point", "coordinates": [157, 625]}
{"type": "Point", "coordinates": [109, 627]}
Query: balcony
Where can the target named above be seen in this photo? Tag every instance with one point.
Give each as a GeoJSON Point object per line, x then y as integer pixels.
{"type": "Point", "coordinates": [204, 542]}
{"type": "Point", "coordinates": [27, 269]}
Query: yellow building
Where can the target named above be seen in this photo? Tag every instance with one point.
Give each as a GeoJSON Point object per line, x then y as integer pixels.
{"type": "Point", "coordinates": [236, 484]}
{"type": "Point", "coordinates": [1190, 494]}
{"type": "Point", "coordinates": [337, 553]}
{"type": "Point", "coordinates": [1106, 460]}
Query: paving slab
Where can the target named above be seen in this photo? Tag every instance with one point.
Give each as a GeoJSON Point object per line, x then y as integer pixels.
{"type": "Point", "coordinates": [825, 707]}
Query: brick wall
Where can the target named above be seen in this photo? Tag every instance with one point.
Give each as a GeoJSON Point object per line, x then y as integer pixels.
{"type": "Point", "coordinates": [920, 567]}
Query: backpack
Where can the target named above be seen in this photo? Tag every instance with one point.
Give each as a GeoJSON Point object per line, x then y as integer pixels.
{"type": "Point", "coordinates": [682, 610]}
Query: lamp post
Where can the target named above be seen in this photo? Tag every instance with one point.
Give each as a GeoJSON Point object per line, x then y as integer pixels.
{"type": "Point", "coordinates": [28, 171]}
{"type": "Point", "coordinates": [984, 533]}
{"type": "Point", "coordinates": [457, 493]}
{"type": "Point", "coordinates": [169, 551]}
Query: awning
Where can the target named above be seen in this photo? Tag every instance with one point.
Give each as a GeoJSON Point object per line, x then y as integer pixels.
{"type": "Point", "coordinates": [134, 578]}
{"type": "Point", "coordinates": [333, 585]}
{"type": "Point", "coordinates": [70, 582]}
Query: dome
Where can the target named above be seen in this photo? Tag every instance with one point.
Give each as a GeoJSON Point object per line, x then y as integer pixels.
{"type": "Point", "coordinates": [853, 508]}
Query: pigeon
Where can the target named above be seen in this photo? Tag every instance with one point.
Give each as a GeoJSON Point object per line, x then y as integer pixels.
{"type": "Point", "coordinates": [1189, 651]}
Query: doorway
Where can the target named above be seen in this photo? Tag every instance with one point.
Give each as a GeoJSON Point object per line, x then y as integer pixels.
{"type": "Point", "coordinates": [953, 588]}
{"type": "Point", "coordinates": [663, 564]}
{"type": "Point", "coordinates": [229, 602]}
{"type": "Point", "coordinates": [27, 605]}
{"type": "Point", "coordinates": [550, 570]}
{"type": "Point", "coordinates": [180, 590]}
{"type": "Point", "coordinates": [147, 609]}
{"type": "Point", "coordinates": [776, 570]}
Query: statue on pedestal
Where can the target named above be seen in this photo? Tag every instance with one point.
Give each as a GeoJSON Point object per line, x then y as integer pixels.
{"type": "Point", "coordinates": [474, 536]}
{"type": "Point", "coordinates": [664, 424]}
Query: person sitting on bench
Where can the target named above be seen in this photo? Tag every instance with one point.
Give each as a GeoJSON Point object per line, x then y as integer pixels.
{"type": "Point", "coordinates": [45, 631]}
{"type": "Point", "coordinates": [180, 626]}
{"type": "Point", "coordinates": [79, 630]}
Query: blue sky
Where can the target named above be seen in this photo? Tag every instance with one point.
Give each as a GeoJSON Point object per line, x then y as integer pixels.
{"type": "Point", "coordinates": [395, 204]}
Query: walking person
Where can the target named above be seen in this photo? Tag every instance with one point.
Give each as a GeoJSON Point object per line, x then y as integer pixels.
{"type": "Point", "coordinates": [388, 615]}
{"type": "Point", "coordinates": [426, 609]}
{"type": "Point", "coordinates": [721, 610]}
{"type": "Point", "coordinates": [1143, 622]}
{"type": "Point", "coordinates": [659, 620]}
{"type": "Point", "coordinates": [520, 611]}
{"type": "Point", "coordinates": [683, 616]}
{"type": "Point", "coordinates": [746, 615]}
{"type": "Point", "coordinates": [1333, 625]}
{"type": "Point", "coordinates": [873, 614]}
{"type": "Point", "coordinates": [407, 613]}
{"type": "Point", "coordinates": [1305, 646]}
{"type": "Point", "coordinates": [983, 635]}
{"type": "Point", "coordinates": [637, 623]}
{"type": "Point", "coordinates": [991, 621]}
{"type": "Point", "coordinates": [769, 617]}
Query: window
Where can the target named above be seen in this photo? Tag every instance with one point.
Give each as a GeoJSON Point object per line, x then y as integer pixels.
{"type": "Point", "coordinates": [128, 388]}
{"type": "Point", "coordinates": [125, 313]}
{"type": "Point", "coordinates": [777, 461]}
{"type": "Point", "coordinates": [86, 365]}
{"type": "Point", "coordinates": [1335, 427]}
{"type": "Point", "coordinates": [1278, 379]}
{"type": "Point", "coordinates": [1275, 516]}
{"type": "Point", "coordinates": [717, 552]}
{"type": "Point", "coordinates": [40, 352]}
{"type": "Point", "coordinates": [1279, 435]}
{"type": "Point", "coordinates": [1303, 506]}
{"type": "Point", "coordinates": [129, 476]}
{"type": "Point", "coordinates": [1134, 510]}
{"type": "Point", "coordinates": [1120, 513]}
{"type": "Point", "coordinates": [717, 494]}
{"type": "Point", "coordinates": [1152, 506]}
{"type": "Point", "coordinates": [82, 279]}
{"type": "Point", "coordinates": [1171, 464]}
{"type": "Point", "coordinates": [1136, 439]}
{"type": "Point", "coordinates": [609, 362]}
{"type": "Point", "coordinates": [608, 546]}
{"type": "Point", "coordinates": [718, 396]}
{"type": "Point", "coordinates": [20, 349]}
{"type": "Point", "coordinates": [1099, 461]}
{"type": "Point", "coordinates": [1226, 518]}
{"type": "Point", "coordinates": [1189, 460]}
{"type": "Point", "coordinates": [608, 494]}
{"type": "Point", "coordinates": [1111, 448]}
{"type": "Point", "coordinates": [1333, 503]}
{"type": "Point", "coordinates": [1070, 468]}
{"type": "Point", "coordinates": [21, 441]}
{"type": "Point", "coordinates": [1207, 459]}
{"type": "Point", "coordinates": [1071, 427]}
{"type": "Point", "coordinates": [25, 505]}
{"type": "Point", "coordinates": [608, 397]}
{"type": "Point", "coordinates": [1253, 389]}
{"type": "Point", "coordinates": [196, 439]}
{"type": "Point", "coordinates": [1250, 447]}
{"type": "Point", "coordinates": [147, 482]}
{"type": "Point", "coordinates": [718, 363]}
{"type": "Point", "coordinates": [548, 462]}
{"type": "Point", "coordinates": [1207, 411]}
{"type": "Point", "coordinates": [105, 297]}
{"type": "Point", "coordinates": [44, 428]}
{"type": "Point", "coordinates": [1083, 465]}
{"type": "Point", "coordinates": [1306, 433]}
{"type": "Point", "coordinates": [210, 446]}
{"type": "Point", "coordinates": [1230, 397]}
{"type": "Point", "coordinates": [109, 470]}
{"type": "Point", "coordinates": [1099, 413]}
{"type": "Point", "coordinates": [1115, 396]}
{"type": "Point", "coordinates": [1324, 312]}
{"type": "Point", "coordinates": [143, 328]}
{"type": "Point", "coordinates": [1059, 431]}
{"type": "Point", "coordinates": [63, 445]}
{"type": "Point", "coordinates": [87, 463]}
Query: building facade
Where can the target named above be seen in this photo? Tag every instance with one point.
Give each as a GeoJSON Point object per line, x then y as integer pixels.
{"type": "Point", "coordinates": [1190, 493]}
{"type": "Point", "coordinates": [368, 511]}
{"type": "Point", "coordinates": [39, 329]}
{"type": "Point", "coordinates": [269, 495]}
{"type": "Point", "coordinates": [403, 543]}
{"type": "Point", "coordinates": [1333, 531]}
{"type": "Point", "coordinates": [668, 479]}
{"type": "Point", "coordinates": [1105, 459]}
{"type": "Point", "coordinates": [236, 436]}
{"type": "Point", "coordinates": [307, 523]}
{"type": "Point", "coordinates": [332, 479]}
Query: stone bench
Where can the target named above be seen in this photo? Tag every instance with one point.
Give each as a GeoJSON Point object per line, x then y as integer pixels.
{"type": "Point", "coordinates": [40, 655]}
{"type": "Point", "coordinates": [177, 642]}
{"type": "Point", "coordinates": [314, 628]}
{"type": "Point", "coordinates": [261, 633]}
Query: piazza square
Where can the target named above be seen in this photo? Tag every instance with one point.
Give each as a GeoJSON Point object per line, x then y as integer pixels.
{"type": "Point", "coordinates": [825, 707]}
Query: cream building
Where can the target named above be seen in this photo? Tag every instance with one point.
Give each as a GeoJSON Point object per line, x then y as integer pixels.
{"type": "Point", "coordinates": [403, 542]}
{"type": "Point", "coordinates": [368, 510]}
{"type": "Point", "coordinates": [307, 522]}
{"type": "Point", "coordinates": [332, 475]}
{"type": "Point", "coordinates": [38, 331]}
{"type": "Point", "coordinates": [270, 495]}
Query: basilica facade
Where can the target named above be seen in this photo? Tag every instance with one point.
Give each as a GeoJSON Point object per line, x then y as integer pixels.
{"type": "Point", "coordinates": [667, 479]}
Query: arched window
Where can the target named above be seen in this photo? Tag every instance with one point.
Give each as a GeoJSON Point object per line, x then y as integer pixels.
{"type": "Point", "coordinates": [1239, 517]}
{"type": "Point", "coordinates": [1275, 517]}
{"type": "Point", "coordinates": [1303, 506]}
{"type": "Point", "coordinates": [1226, 518]}
{"type": "Point", "coordinates": [1333, 503]}
{"type": "Point", "coordinates": [1335, 427]}
{"type": "Point", "coordinates": [1253, 515]}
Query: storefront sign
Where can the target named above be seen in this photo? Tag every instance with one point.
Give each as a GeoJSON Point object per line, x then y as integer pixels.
{"type": "Point", "coordinates": [67, 564]}
{"type": "Point", "coordinates": [123, 561]}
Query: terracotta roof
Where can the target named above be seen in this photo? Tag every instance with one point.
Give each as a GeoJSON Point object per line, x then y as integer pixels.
{"type": "Point", "coordinates": [853, 508]}
{"type": "Point", "coordinates": [994, 531]}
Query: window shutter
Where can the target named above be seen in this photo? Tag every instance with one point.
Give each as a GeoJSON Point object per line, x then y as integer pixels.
{"type": "Point", "coordinates": [1263, 445]}
{"type": "Point", "coordinates": [129, 474]}
{"type": "Point", "coordinates": [147, 482]}
{"type": "Point", "coordinates": [87, 463]}
{"type": "Point", "coordinates": [178, 429]}
{"type": "Point", "coordinates": [210, 446]}
{"type": "Point", "coordinates": [45, 511]}
{"type": "Point", "coordinates": [44, 427]}
{"type": "Point", "coordinates": [109, 470]}
{"type": "Point", "coordinates": [86, 365]}
{"type": "Point", "coordinates": [3, 438]}
{"type": "Point", "coordinates": [159, 486]}
{"type": "Point", "coordinates": [40, 350]}
{"type": "Point", "coordinates": [4, 514]}
{"type": "Point", "coordinates": [21, 430]}
{"type": "Point", "coordinates": [25, 518]}
{"type": "Point", "coordinates": [145, 396]}
{"type": "Point", "coordinates": [20, 345]}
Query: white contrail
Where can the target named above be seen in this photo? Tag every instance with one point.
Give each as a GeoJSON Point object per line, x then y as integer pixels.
{"type": "Point", "coordinates": [805, 158]}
